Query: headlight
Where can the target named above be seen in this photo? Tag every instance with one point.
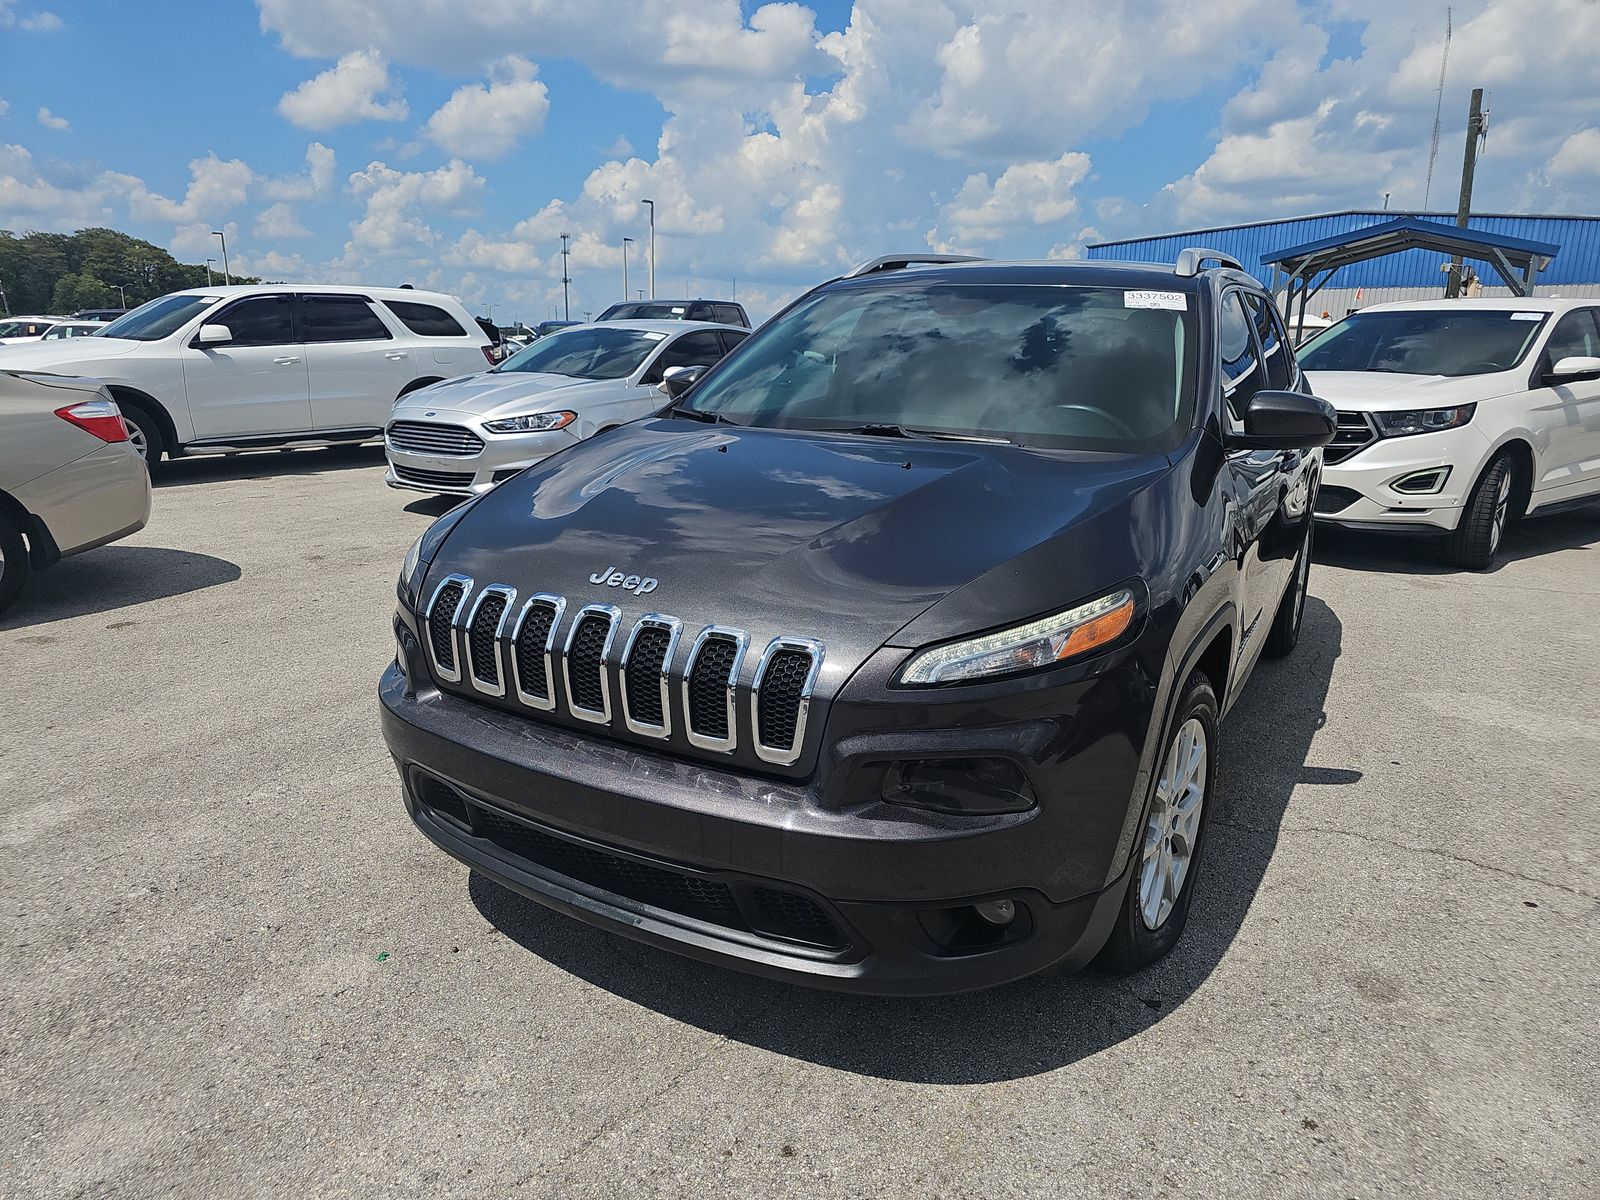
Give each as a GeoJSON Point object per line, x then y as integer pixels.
{"type": "Point", "coordinates": [532, 423]}
{"type": "Point", "coordinates": [1025, 647]}
{"type": "Point", "coordinates": [413, 560]}
{"type": "Point", "coordinates": [1423, 420]}
{"type": "Point", "coordinates": [423, 550]}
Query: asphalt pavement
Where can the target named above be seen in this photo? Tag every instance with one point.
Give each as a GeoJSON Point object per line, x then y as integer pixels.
{"type": "Point", "coordinates": [229, 966]}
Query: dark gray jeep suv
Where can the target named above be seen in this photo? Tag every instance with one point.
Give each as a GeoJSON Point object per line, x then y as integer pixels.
{"type": "Point", "coordinates": [891, 654]}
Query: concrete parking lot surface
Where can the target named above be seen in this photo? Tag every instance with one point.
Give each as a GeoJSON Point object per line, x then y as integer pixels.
{"type": "Point", "coordinates": [231, 967]}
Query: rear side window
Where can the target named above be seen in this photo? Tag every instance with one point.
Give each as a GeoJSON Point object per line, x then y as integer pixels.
{"type": "Point", "coordinates": [728, 314]}
{"type": "Point", "coordinates": [340, 319]}
{"type": "Point", "coordinates": [259, 321]}
{"type": "Point", "coordinates": [428, 320]}
{"type": "Point", "coordinates": [730, 339]}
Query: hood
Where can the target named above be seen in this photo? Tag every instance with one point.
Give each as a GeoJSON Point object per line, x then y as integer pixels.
{"type": "Point", "coordinates": [489, 391]}
{"type": "Point", "coordinates": [840, 538]}
{"type": "Point", "coordinates": [64, 354]}
{"type": "Point", "coordinates": [1386, 391]}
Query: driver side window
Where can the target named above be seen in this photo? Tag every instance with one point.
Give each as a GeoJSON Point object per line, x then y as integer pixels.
{"type": "Point", "coordinates": [700, 349]}
{"type": "Point", "coordinates": [1241, 366]}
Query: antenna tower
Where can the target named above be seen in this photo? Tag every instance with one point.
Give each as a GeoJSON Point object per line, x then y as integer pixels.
{"type": "Point", "coordinates": [1438, 109]}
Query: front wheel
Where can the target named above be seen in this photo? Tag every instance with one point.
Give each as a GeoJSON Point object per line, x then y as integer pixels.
{"type": "Point", "coordinates": [1477, 538]}
{"type": "Point", "coordinates": [1284, 635]}
{"type": "Point", "coordinates": [14, 565]}
{"type": "Point", "coordinates": [1161, 884]}
{"type": "Point", "coordinates": [145, 433]}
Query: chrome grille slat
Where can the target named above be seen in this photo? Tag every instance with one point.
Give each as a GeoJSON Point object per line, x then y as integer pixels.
{"type": "Point", "coordinates": [780, 697]}
{"type": "Point", "coordinates": [421, 437]}
{"type": "Point", "coordinates": [1353, 431]}
{"type": "Point", "coordinates": [533, 646]}
{"type": "Point", "coordinates": [445, 607]}
{"type": "Point", "coordinates": [645, 674]}
{"type": "Point", "coordinates": [709, 717]}
{"type": "Point", "coordinates": [592, 656]}
{"type": "Point", "coordinates": [485, 629]}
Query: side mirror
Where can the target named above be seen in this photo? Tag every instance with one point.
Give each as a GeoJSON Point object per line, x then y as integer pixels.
{"type": "Point", "coordinates": [675, 381]}
{"type": "Point", "coordinates": [1285, 421]}
{"type": "Point", "coordinates": [214, 335]}
{"type": "Point", "coordinates": [1572, 369]}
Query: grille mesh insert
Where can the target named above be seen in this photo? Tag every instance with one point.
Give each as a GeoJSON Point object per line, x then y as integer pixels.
{"type": "Point", "coordinates": [780, 697]}
{"type": "Point", "coordinates": [530, 650]}
{"type": "Point", "coordinates": [584, 667]}
{"type": "Point", "coordinates": [791, 915]}
{"type": "Point", "coordinates": [644, 675]}
{"type": "Point", "coordinates": [444, 612]}
{"type": "Point", "coordinates": [708, 688]}
{"type": "Point", "coordinates": [481, 638]}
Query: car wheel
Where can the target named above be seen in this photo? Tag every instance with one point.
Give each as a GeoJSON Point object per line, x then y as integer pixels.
{"type": "Point", "coordinates": [1285, 632]}
{"type": "Point", "coordinates": [144, 431]}
{"type": "Point", "coordinates": [1477, 538]}
{"type": "Point", "coordinates": [14, 565]}
{"type": "Point", "coordinates": [1167, 854]}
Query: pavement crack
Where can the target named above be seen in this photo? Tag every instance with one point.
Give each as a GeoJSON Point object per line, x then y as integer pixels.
{"type": "Point", "coordinates": [1374, 839]}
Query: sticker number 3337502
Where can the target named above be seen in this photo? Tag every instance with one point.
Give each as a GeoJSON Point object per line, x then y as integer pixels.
{"type": "Point", "coordinates": [1176, 301]}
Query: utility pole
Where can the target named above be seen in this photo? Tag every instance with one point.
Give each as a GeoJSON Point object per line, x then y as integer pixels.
{"type": "Point", "coordinates": [226, 278]}
{"type": "Point", "coordinates": [566, 305]}
{"type": "Point", "coordinates": [1477, 126]}
{"type": "Point", "coordinates": [209, 261]}
{"type": "Point", "coordinates": [625, 243]}
{"type": "Point", "coordinates": [5, 304]}
{"type": "Point", "coordinates": [652, 205]}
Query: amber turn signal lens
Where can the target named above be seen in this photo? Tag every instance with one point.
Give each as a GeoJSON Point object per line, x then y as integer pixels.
{"type": "Point", "coordinates": [1096, 633]}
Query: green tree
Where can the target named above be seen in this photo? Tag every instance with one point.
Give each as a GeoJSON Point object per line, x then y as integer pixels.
{"type": "Point", "coordinates": [80, 290]}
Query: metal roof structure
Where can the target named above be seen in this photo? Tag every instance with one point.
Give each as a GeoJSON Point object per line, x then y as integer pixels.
{"type": "Point", "coordinates": [1305, 269]}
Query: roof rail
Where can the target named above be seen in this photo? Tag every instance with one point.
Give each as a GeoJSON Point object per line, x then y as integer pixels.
{"type": "Point", "coordinates": [894, 262]}
{"type": "Point", "coordinates": [1190, 260]}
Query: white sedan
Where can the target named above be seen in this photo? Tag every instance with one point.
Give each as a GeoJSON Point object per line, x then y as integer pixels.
{"type": "Point", "coordinates": [465, 435]}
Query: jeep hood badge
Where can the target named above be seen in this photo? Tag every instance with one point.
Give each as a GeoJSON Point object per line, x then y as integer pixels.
{"type": "Point", "coordinates": [639, 585]}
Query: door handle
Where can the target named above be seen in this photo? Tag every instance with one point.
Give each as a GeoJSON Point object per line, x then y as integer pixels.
{"type": "Point", "coordinates": [395, 354]}
{"type": "Point", "coordinates": [286, 360]}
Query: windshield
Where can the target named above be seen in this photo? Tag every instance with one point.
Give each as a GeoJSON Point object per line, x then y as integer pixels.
{"type": "Point", "coordinates": [155, 320]}
{"type": "Point", "coordinates": [1052, 366]}
{"type": "Point", "coordinates": [645, 312]}
{"type": "Point", "coordinates": [1432, 341]}
{"type": "Point", "coordinates": [586, 353]}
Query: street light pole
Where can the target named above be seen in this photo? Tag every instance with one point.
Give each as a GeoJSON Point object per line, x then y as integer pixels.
{"type": "Point", "coordinates": [209, 261]}
{"type": "Point", "coordinates": [566, 305]}
{"type": "Point", "coordinates": [626, 242]}
{"type": "Point", "coordinates": [122, 294]}
{"type": "Point", "coordinates": [652, 205]}
{"type": "Point", "coordinates": [226, 277]}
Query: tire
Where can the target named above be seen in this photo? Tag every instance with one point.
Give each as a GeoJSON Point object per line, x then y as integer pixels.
{"type": "Point", "coordinates": [1160, 886]}
{"type": "Point", "coordinates": [144, 431]}
{"type": "Point", "coordinates": [14, 565]}
{"type": "Point", "coordinates": [1476, 540]}
{"type": "Point", "coordinates": [1285, 632]}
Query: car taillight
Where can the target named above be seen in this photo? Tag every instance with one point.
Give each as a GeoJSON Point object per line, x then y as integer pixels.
{"type": "Point", "coordinates": [99, 417]}
{"type": "Point", "coordinates": [488, 352]}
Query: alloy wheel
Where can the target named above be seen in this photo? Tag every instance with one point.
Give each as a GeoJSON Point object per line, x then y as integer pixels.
{"type": "Point", "coordinates": [136, 436]}
{"type": "Point", "coordinates": [1502, 506]}
{"type": "Point", "coordinates": [1173, 831]}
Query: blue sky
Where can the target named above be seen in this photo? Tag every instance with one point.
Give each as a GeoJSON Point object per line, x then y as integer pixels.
{"type": "Point", "coordinates": [449, 145]}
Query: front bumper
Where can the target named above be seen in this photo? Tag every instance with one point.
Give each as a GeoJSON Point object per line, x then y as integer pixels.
{"type": "Point", "coordinates": [697, 860]}
{"type": "Point", "coordinates": [502, 456]}
{"type": "Point", "coordinates": [1358, 491]}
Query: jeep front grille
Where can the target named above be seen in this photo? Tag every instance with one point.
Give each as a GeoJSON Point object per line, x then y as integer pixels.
{"type": "Point", "coordinates": [487, 642]}
{"type": "Point", "coordinates": [1354, 432]}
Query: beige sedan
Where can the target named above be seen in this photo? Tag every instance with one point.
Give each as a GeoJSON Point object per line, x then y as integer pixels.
{"type": "Point", "coordinates": [69, 478]}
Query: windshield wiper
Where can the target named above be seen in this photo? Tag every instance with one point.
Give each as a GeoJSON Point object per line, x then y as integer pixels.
{"type": "Point", "coordinates": [886, 429]}
{"type": "Point", "coordinates": [699, 414]}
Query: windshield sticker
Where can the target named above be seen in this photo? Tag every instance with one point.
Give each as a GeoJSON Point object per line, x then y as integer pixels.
{"type": "Point", "coordinates": [1527, 316]}
{"type": "Point", "coordinates": [654, 337]}
{"type": "Point", "coordinates": [1176, 301]}
{"type": "Point", "coordinates": [678, 310]}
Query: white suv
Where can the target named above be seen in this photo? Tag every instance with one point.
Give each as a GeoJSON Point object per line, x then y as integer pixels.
{"type": "Point", "coordinates": [247, 368]}
{"type": "Point", "coordinates": [1457, 416]}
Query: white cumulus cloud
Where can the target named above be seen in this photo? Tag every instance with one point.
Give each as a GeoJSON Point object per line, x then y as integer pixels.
{"type": "Point", "coordinates": [50, 121]}
{"type": "Point", "coordinates": [356, 88]}
{"type": "Point", "coordinates": [486, 122]}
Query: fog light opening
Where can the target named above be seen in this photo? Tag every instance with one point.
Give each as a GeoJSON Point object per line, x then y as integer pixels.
{"type": "Point", "coordinates": [1421, 483]}
{"type": "Point", "coordinates": [997, 912]}
{"type": "Point", "coordinates": [969, 786]}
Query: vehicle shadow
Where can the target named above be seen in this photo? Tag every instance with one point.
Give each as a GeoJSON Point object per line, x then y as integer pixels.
{"type": "Point", "coordinates": [1410, 554]}
{"type": "Point", "coordinates": [1029, 1027]}
{"type": "Point", "coordinates": [111, 578]}
{"type": "Point", "coordinates": [433, 506]}
{"type": "Point", "coordinates": [264, 464]}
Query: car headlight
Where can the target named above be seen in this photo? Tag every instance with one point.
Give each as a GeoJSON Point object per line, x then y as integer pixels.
{"type": "Point", "coordinates": [1422, 420]}
{"type": "Point", "coordinates": [422, 552]}
{"type": "Point", "coordinates": [1025, 647]}
{"type": "Point", "coordinates": [532, 423]}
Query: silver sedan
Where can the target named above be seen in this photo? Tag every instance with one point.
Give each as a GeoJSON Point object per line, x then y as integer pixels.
{"type": "Point", "coordinates": [465, 435]}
